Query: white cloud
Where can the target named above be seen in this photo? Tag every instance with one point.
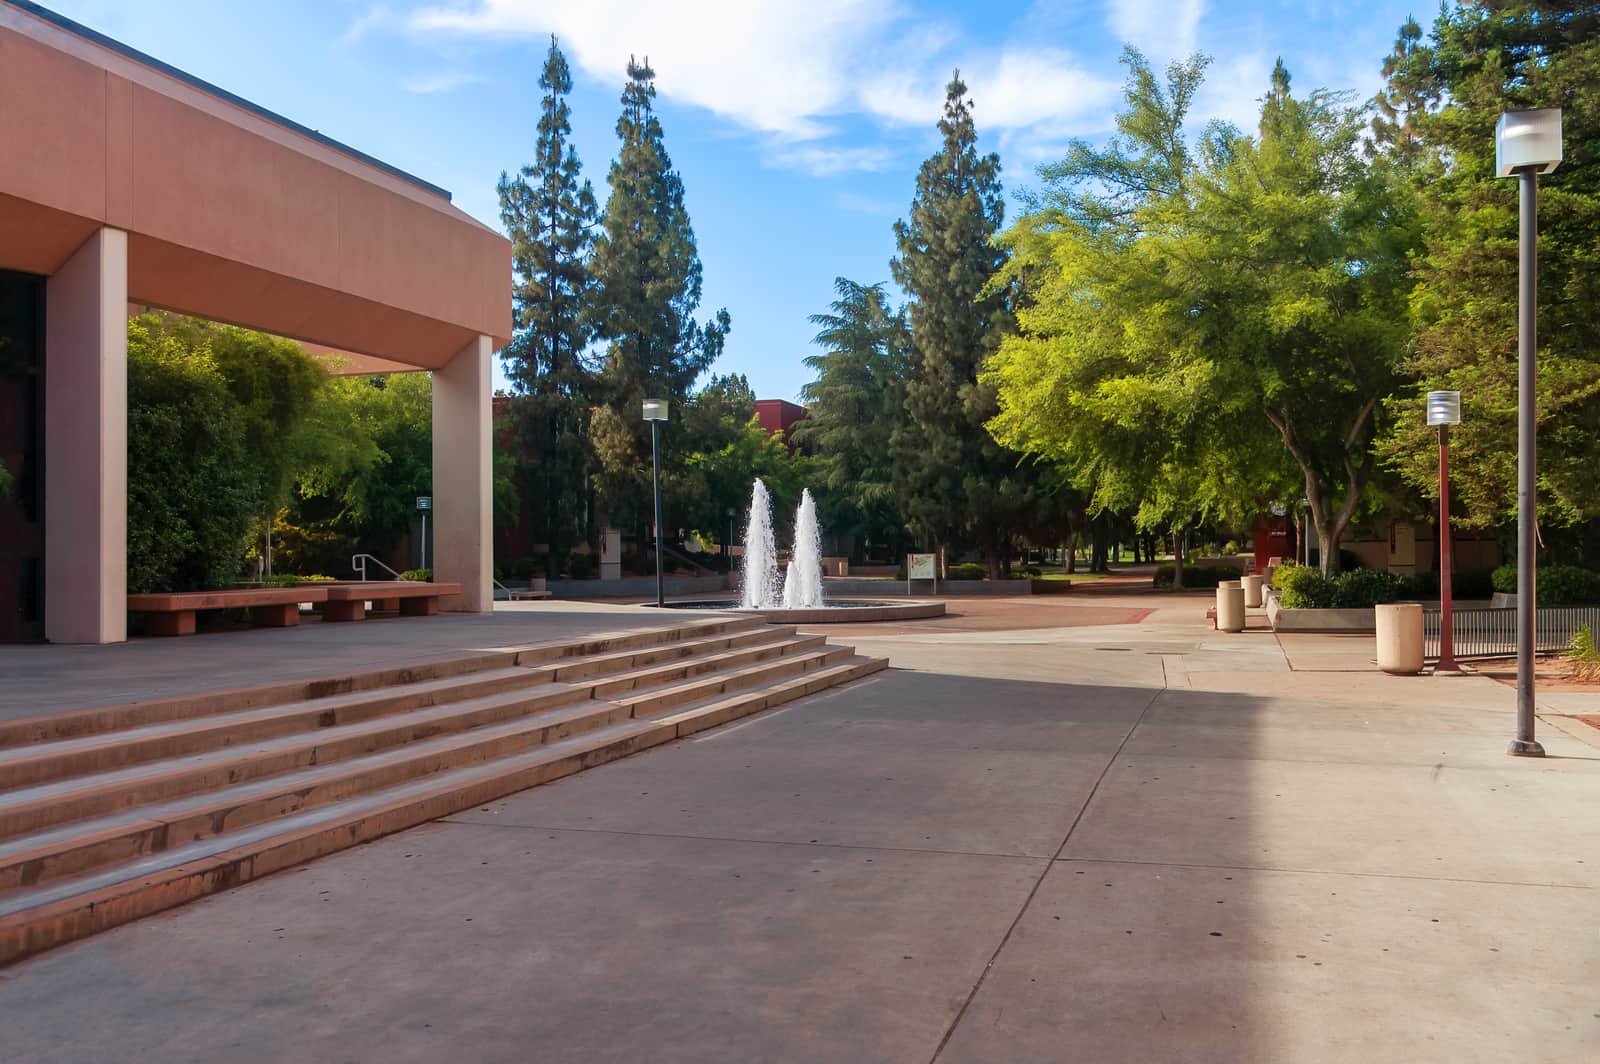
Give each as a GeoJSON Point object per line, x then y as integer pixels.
{"type": "Point", "coordinates": [1162, 29]}
{"type": "Point", "coordinates": [770, 66]}
{"type": "Point", "coordinates": [827, 160]}
{"type": "Point", "coordinates": [1044, 89]}
{"type": "Point", "coordinates": [792, 71]}
{"type": "Point", "coordinates": [441, 82]}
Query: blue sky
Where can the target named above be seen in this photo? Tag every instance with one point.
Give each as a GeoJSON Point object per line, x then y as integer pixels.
{"type": "Point", "coordinates": [798, 127]}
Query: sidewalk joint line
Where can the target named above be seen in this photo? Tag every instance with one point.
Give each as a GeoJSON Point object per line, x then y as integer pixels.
{"type": "Point", "coordinates": [1033, 892]}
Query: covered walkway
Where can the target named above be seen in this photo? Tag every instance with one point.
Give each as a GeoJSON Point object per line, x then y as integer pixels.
{"type": "Point", "coordinates": [126, 180]}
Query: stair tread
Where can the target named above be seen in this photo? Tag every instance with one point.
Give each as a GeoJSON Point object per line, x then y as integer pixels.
{"type": "Point", "coordinates": [756, 636]}
{"type": "Point", "coordinates": [721, 677]}
{"type": "Point", "coordinates": [223, 721]}
{"type": "Point", "coordinates": [842, 668]}
{"type": "Point", "coordinates": [534, 674]}
{"type": "Point", "coordinates": [189, 805]}
{"type": "Point", "coordinates": [788, 644]}
{"type": "Point", "coordinates": [558, 695]}
{"type": "Point", "coordinates": [23, 898]}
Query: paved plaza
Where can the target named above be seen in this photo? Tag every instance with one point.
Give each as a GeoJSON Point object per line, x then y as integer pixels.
{"type": "Point", "coordinates": [1097, 832]}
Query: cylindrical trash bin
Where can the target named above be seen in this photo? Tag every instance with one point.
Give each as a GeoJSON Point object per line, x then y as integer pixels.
{"type": "Point", "coordinates": [1252, 589]}
{"type": "Point", "coordinates": [1399, 629]}
{"type": "Point", "coordinates": [1230, 606]}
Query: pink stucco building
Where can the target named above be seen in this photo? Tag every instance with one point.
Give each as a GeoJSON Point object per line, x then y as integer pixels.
{"type": "Point", "coordinates": [124, 180]}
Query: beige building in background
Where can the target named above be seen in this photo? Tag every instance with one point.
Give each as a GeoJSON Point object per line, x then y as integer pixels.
{"type": "Point", "coordinates": [125, 180]}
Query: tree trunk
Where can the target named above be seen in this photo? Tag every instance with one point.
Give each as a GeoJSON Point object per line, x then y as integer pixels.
{"type": "Point", "coordinates": [1072, 557]}
{"type": "Point", "coordinates": [1177, 560]}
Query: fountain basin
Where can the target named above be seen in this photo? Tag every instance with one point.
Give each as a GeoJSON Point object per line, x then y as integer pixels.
{"type": "Point", "coordinates": [837, 611]}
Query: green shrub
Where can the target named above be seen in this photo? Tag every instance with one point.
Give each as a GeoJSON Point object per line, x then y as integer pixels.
{"type": "Point", "coordinates": [967, 571]}
{"type": "Point", "coordinates": [1473, 585]}
{"type": "Point", "coordinates": [1196, 576]}
{"type": "Point", "coordinates": [581, 565]}
{"type": "Point", "coordinates": [292, 580]}
{"type": "Point", "coordinates": [1557, 585]}
{"type": "Point", "coordinates": [192, 486]}
{"type": "Point", "coordinates": [1584, 656]}
{"type": "Point", "coordinates": [1364, 588]}
{"type": "Point", "coordinates": [1303, 588]}
{"type": "Point", "coordinates": [423, 575]}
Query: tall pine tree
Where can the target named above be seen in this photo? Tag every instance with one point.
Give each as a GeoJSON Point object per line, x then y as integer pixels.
{"type": "Point", "coordinates": [550, 215]}
{"type": "Point", "coordinates": [956, 484]}
{"type": "Point", "coordinates": [853, 407]}
{"type": "Point", "coordinates": [646, 270]}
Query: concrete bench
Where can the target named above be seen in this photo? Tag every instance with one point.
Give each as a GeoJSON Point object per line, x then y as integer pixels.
{"type": "Point", "coordinates": [270, 607]}
{"type": "Point", "coordinates": [413, 598]}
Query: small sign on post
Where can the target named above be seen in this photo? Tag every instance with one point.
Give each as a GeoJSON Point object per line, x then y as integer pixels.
{"type": "Point", "coordinates": [922, 567]}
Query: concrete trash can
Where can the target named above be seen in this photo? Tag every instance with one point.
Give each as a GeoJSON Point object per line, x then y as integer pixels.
{"type": "Point", "coordinates": [1230, 606]}
{"type": "Point", "coordinates": [1399, 630]}
{"type": "Point", "coordinates": [1252, 589]}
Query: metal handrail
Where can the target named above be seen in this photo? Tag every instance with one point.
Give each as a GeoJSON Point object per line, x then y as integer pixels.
{"type": "Point", "coordinates": [358, 562]}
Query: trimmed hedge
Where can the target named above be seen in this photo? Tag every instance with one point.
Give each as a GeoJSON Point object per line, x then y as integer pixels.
{"type": "Point", "coordinates": [1197, 576]}
{"type": "Point", "coordinates": [1558, 585]}
{"type": "Point", "coordinates": [423, 575]}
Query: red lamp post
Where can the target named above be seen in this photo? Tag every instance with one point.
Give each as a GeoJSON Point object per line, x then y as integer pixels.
{"type": "Point", "coordinates": [1444, 410]}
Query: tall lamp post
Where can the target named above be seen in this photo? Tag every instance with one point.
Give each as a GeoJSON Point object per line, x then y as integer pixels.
{"type": "Point", "coordinates": [1444, 410]}
{"type": "Point", "coordinates": [655, 412]}
{"type": "Point", "coordinates": [1526, 144]}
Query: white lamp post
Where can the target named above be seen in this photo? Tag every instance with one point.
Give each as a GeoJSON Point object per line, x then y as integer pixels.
{"type": "Point", "coordinates": [655, 412]}
{"type": "Point", "coordinates": [1526, 144]}
{"type": "Point", "coordinates": [1444, 410]}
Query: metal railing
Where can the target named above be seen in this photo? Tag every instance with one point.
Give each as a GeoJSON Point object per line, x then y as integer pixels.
{"type": "Point", "coordinates": [1491, 632]}
{"type": "Point", "coordinates": [358, 562]}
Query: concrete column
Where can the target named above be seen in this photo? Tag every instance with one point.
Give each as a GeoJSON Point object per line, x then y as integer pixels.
{"type": "Point", "coordinates": [463, 543]}
{"type": "Point", "coordinates": [86, 444]}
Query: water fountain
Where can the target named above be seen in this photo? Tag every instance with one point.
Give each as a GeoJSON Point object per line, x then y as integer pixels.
{"type": "Point", "coordinates": [760, 585]}
{"type": "Point", "coordinates": [802, 584]}
{"type": "Point", "coordinates": [798, 597]}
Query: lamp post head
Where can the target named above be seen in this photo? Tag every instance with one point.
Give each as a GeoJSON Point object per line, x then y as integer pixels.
{"type": "Point", "coordinates": [655, 410]}
{"type": "Point", "coordinates": [1444, 408]}
{"type": "Point", "coordinates": [1527, 140]}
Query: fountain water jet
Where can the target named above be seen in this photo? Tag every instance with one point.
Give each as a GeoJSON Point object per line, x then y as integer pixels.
{"type": "Point", "coordinates": [802, 584]}
{"type": "Point", "coordinates": [759, 590]}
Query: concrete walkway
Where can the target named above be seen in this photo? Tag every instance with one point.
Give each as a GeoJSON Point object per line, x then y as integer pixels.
{"type": "Point", "coordinates": [1135, 841]}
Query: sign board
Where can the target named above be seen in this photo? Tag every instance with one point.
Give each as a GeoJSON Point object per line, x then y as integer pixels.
{"type": "Point", "coordinates": [424, 502]}
{"type": "Point", "coordinates": [922, 566]}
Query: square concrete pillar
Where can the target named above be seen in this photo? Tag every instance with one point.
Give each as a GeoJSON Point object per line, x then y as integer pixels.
{"type": "Point", "coordinates": [86, 444]}
{"type": "Point", "coordinates": [463, 511]}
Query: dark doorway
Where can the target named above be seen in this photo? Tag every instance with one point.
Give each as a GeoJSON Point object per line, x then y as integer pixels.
{"type": "Point", "coordinates": [22, 455]}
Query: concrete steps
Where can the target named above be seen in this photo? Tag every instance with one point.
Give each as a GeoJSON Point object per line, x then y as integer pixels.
{"type": "Point", "coordinates": [122, 812]}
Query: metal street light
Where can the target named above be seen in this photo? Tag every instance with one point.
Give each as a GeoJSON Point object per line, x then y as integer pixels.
{"type": "Point", "coordinates": [655, 412]}
{"type": "Point", "coordinates": [424, 504]}
{"type": "Point", "coordinates": [1526, 144]}
{"type": "Point", "coordinates": [1444, 410]}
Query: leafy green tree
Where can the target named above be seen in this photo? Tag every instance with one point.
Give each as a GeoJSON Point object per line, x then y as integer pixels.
{"type": "Point", "coordinates": [192, 490]}
{"type": "Point", "coordinates": [550, 216]}
{"type": "Point", "coordinates": [1306, 252]}
{"type": "Point", "coordinates": [853, 408]}
{"type": "Point", "coordinates": [647, 279]}
{"type": "Point", "coordinates": [955, 481]}
{"type": "Point", "coordinates": [1487, 58]}
{"type": "Point", "coordinates": [1185, 315]}
{"type": "Point", "coordinates": [1101, 382]}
